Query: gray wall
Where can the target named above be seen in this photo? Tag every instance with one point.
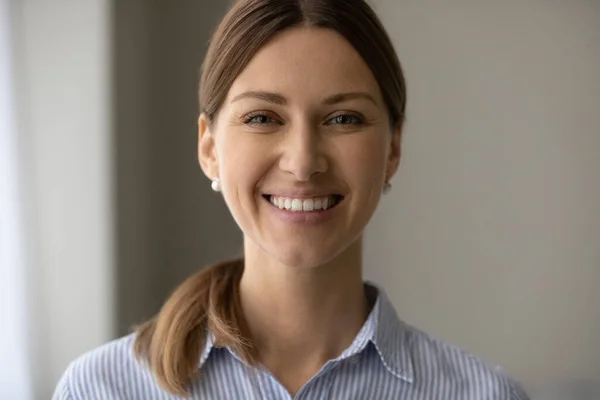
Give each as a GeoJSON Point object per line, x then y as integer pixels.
{"type": "Point", "coordinates": [118, 212]}
{"type": "Point", "coordinates": [170, 223]}
{"type": "Point", "coordinates": [490, 238]}
{"type": "Point", "coordinates": [62, 71]}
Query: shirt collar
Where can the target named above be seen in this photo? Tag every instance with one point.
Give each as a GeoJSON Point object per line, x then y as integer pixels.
{"type": "Point", "coordinates": [390, 337]}
{"type": "Point", "coordinates": [208, 346]}
{"type": "Point", "coordinates": [383, 328]}
{"type": "Point", "coordinates": [387, 333]}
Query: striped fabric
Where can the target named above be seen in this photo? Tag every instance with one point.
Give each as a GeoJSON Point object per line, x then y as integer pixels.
{"type": "Point", "coordinates": [388, 359]}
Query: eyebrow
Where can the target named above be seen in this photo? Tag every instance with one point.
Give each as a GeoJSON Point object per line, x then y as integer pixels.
{"type": "Point", "coordinates": [278, 99]}
{"type": "Point", "coordinates": [266, 96]}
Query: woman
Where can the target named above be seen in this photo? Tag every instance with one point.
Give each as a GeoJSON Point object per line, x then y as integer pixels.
{"type": "Point", "coordinates": [302, 106]}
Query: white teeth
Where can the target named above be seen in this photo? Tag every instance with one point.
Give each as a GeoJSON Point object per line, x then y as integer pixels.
{"type": "Point", "coordinates": [299, 205]}
{"type": "Point", "coordinates": [296, 205]}
{"type": "Point", "coordinates": [318, 204]}
{"type": "Point", "coordinates": [308, 205]}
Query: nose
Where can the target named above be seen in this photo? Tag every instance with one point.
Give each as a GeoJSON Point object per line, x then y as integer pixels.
{"type": "Point", "coordinates": [303, 155]}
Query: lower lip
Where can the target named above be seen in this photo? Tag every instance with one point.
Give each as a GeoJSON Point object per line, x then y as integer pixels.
{"type": "Point", "coordinates": [304, 217]}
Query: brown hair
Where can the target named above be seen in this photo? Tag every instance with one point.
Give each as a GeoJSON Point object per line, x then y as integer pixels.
{"type": "Point", "coordinates": [208, 301]}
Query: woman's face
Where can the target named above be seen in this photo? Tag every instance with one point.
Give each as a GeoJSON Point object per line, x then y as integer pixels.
{"type": "Point", "coordinates": [302, 146]}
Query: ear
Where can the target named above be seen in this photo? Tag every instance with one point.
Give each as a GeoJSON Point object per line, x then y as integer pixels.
{"type": "Point", "coordinates": [207, 156]}
{"type": "Point", "coordinates": [394, 153]}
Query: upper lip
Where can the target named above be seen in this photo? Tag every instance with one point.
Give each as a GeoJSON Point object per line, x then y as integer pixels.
{"type": "Point", "coordinates": [301, 193]}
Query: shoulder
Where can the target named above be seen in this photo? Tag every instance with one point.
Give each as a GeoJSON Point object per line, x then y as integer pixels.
{"type": "Point", "coordinates": [107, 372]}
{"type": "Point", "coordinates": [439, 363]}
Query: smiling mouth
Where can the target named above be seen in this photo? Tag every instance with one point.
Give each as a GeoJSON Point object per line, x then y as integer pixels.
{"type": "Point", "coordinates": [311, 204]}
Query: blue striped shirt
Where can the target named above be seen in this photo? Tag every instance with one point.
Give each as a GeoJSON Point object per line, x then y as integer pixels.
{"type": "Point", "coordinates": [388, 359]}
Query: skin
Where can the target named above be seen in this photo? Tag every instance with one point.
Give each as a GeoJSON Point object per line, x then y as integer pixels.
{"type": "Point", "coordinates": [302, 290]}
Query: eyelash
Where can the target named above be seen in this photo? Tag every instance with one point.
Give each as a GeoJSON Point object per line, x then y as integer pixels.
{"type": "Point", "coordinates": [358, 120]}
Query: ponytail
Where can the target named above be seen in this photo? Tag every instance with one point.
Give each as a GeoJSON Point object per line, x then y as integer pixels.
{"type": "Point", "coordinates": [172, 341]}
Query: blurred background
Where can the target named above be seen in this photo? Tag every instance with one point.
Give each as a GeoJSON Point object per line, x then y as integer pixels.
{"type": "Point", "coordinates": [489, 240]}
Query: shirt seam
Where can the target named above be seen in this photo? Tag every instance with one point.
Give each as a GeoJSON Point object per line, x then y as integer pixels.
{"type": "Point", "coordinates": [388, 367]}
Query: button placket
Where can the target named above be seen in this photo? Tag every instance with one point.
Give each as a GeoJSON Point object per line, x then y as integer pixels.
{"type": "Point", "coordinates": [269, 387]}
{"type": "Point", "coordinates": [305, 392]}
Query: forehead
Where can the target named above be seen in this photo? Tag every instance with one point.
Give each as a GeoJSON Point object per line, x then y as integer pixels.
{"type": "Point", "coordinates": [307, 63]}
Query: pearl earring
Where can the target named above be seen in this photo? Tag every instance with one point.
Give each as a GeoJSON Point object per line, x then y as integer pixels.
{"type": "Point", "coordinates": [387, 187]}
{"type": "Point", "coordinates": [216, 185]}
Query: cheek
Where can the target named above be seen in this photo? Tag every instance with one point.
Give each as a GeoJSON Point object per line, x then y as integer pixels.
{"type": "Point", "coordinates": [242, 163]}
{"type": "Point", "coordinates": [364, 160]}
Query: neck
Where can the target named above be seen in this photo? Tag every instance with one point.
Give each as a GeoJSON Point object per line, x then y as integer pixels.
{"type": "Point", "coordinates": [302, 316]}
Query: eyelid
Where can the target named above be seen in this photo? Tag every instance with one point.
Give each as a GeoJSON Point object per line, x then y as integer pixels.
{"type": "Point", "coordinates": [361, 118]}
{"type": "Point", "coordinates": [255, 114]}
{"type": "Point", "coordinates": [247, 117]}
